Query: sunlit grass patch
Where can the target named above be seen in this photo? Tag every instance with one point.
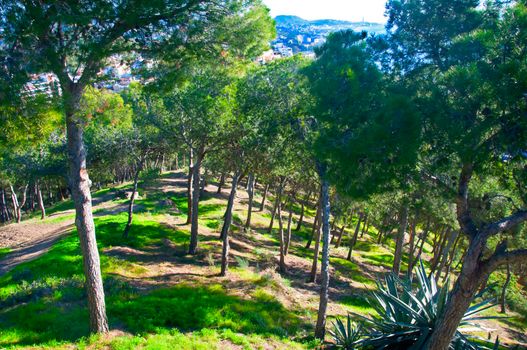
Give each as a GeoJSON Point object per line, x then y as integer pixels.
{"type": "Point", "coordinates": [357, 304]}
{"type": "Point", "coordinates": [194, 308]}
{"type": "Point", "coordinates": [4, 252]}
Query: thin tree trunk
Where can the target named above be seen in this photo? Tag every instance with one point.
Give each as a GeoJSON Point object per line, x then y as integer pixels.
{"type": "Point", "coordinates": [400, 240]}
{"type": "Point", "coordinates": [132, 199]}
{"type": "Point", "coordinates": [315, 227]}
{"type": "Point", "coordinates": [339, 239]}
{"type": "Point", "coordinates": [438, 254]}
{"type": "Point", "coordinates": [288, 234]}
{"type": "Point", "coordinates": [355, 235]}
{"type": "Point", "coordinates": [411, 249]}
{"type": "Point", "coordinates": [262, 204]}
{"type": "Point", "coordinates": [365, 226]}
{"type": "Point", "coordinates": [424, 236]}
{"type": "Point", "coordinates": [320, 328]}
{"type": "Point", "coordinates": [40, 201]}
{"type": "Point", "coordinates": [190, 185]}
{"type": "Point", "coordinates": [194, 225]}
{"type": "Point", "coordinates": [314, 265]}
{"type": "Point", "coordinates": [250, 191]}
{"type": "Point", "coordinates": [2, 206]}
{"type": "Point", "coordinates": [302, 212]}
{"type": "Point", "coordinates": [281, 266]}
{"type": "Point", "coordinates": [79, 183]}
{"type": "Point", "coordinates": [221, 183]}
{"type": "Point", "coordinates": [273, 214]}
{"type": "Point", "coordinates": [444, 255]}
{"type": "Point", "coordinates": [503, 298]}
{"type": "Point", "coordinates": [227, 226]}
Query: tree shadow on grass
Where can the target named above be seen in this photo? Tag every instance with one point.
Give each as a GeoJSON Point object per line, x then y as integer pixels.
{"type": "Point", "coordinates": [183, 307]}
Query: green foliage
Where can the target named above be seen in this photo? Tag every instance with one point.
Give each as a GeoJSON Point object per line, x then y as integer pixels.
{"type": "Point", "coordinates": [368, 129]}
{"type": "Point", "coordinates": [345, 336]}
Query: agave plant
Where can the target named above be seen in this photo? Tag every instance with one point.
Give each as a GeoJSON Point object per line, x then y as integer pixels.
{"type": "Point", "coordinates": [407, 315]}
{"type": "Point", "coordinates": [345, 336]}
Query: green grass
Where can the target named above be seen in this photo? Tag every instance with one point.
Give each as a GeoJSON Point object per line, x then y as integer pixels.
{"type": "Point", "coordinates": [4, 252]}
{"type": "Point", "coordinates": [358, 304]}
{"type": "Point", "coordinates": [43, 302]}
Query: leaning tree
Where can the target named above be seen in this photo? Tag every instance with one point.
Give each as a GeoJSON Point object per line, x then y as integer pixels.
{"type": "Point", "coordinates": [468, 71]}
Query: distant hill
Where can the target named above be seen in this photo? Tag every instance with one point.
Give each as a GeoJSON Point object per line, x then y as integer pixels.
{"type": "Point", "coordinates": [285, 20]}
{"type": "Point", "coordinates": [290, 20]}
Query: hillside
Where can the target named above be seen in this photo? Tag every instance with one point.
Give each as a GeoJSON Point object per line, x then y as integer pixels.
{"type": "Point", "coordinates": [158, 296]}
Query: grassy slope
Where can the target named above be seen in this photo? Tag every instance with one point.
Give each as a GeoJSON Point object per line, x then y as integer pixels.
{"type": "Point", "coordinates": [158, 297]}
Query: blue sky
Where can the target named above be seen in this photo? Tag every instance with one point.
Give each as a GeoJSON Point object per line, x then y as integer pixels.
{"type": "Point", "coordinates": [352, 10]}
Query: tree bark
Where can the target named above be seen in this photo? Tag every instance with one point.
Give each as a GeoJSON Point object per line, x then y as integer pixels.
{"type": "Point", "coordinates": [221, 183]}
{"type": "Point", "coordinates": [302, 212]}
{"type": "Point", "coordinates": [227, 226]}
{"type": "Point", "coordinates": [315, 227]}
{"type": "Point", "coordinates": [194, 225]}
{"type": "Point", "coordinates": [288, 234]}
{"type": "Point", "coordinates": [79, 183]}
{"type": "Point", "coordinates": [411, 248]}
{"type": "Point", "coordinates": [466, 286]}
{"type": "Point", "coordinates": [503, 298]}
{"type": "Point", "coordinates": [262, 204]}
{"type": "Point", "coordinates": [403, 217]}
{"type": "Point", "coordinates": [132, 199]}
{"type": "Point", "coordinates": [444, 255]}
{"type": "Point", "coordinates": [190, 186]}
{"type": "Point", "coordinates": [314, 266]}
{"type": "Point", "coordinates": [320, 329]}
{"type": "Point", "coordinates": [365, 226]}
{"type": "Point", "coordinates": [281, 265]}
{"type": "Point", "coordinates": [355, 235]}
{"type": "Point", "coordinates": [273, 214]}
{"type": "Point", "coordinates": [438, 254]}
{"type": "Point", "coordinates": [250, 191]}
{"type": "Point", "coordinates": [40, 201]}
{"type": "Point", "coordinates": [4, 214]}
{"type": "Point", "coordinates": [339, 239]}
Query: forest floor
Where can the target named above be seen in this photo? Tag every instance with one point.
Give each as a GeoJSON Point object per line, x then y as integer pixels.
{"type": "Point", "coordinates": [158, 297]}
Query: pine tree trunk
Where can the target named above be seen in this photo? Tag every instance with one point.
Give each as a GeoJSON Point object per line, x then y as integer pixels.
{"type": "Point", "coordinates": [273, 214]}
{"type": "Point", "coordinates": [132, 199]}
{"type": "Point", "coordinates": [227, 226]}
{"type": "Point", "coordinates": [250, 191]}
{"type": "Point", "coordinates": [365, 226]}
{"type": "Point", "coordinates": [444, 255]}
{"type": "Point", "coordinates": [503, 298]}
{"type": "Point", "coordinates": [221, 183]}
{"type": "Point", "coordinates": [339, 239]}
{"type": "Point", "coordinates": [262, 204]}
{"type": "Point", "coordinates": [3, 216]}
{"type": "Point", "coordinates": [438, 254]}
{"type": "Point", "coordinates": [194, 226]}
{"type": "Point", "coordinates": [79, 183]}
{"type": "Point", "coordinates": [40, 201]}
{"type": "Point", "coordinates": [302, 212]}
{"type": "Point", "coordinates": [470, 279]}
{"type": "Point", "coordinates": [190, 186]}
{"type": "Point", "coordinates": [403, 223]}
{"type": "Point", "coordinates": [315, 227]}
{"type": "Point", "coordinates": [314, 265]}
{"type": "Point", "coordinates": [281, 265]}
{"type": "Point", "coordinates": [320, 328]}
{"type": "Point", "coordinates": [288, 232]}
{"type": "Point", "coordinates": [355, 235]}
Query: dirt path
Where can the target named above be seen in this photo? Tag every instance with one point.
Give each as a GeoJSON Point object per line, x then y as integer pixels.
{"type": "Point", "coordinates": [29, 240]}
{"type": "Point", "coordinates": [33, 238]}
